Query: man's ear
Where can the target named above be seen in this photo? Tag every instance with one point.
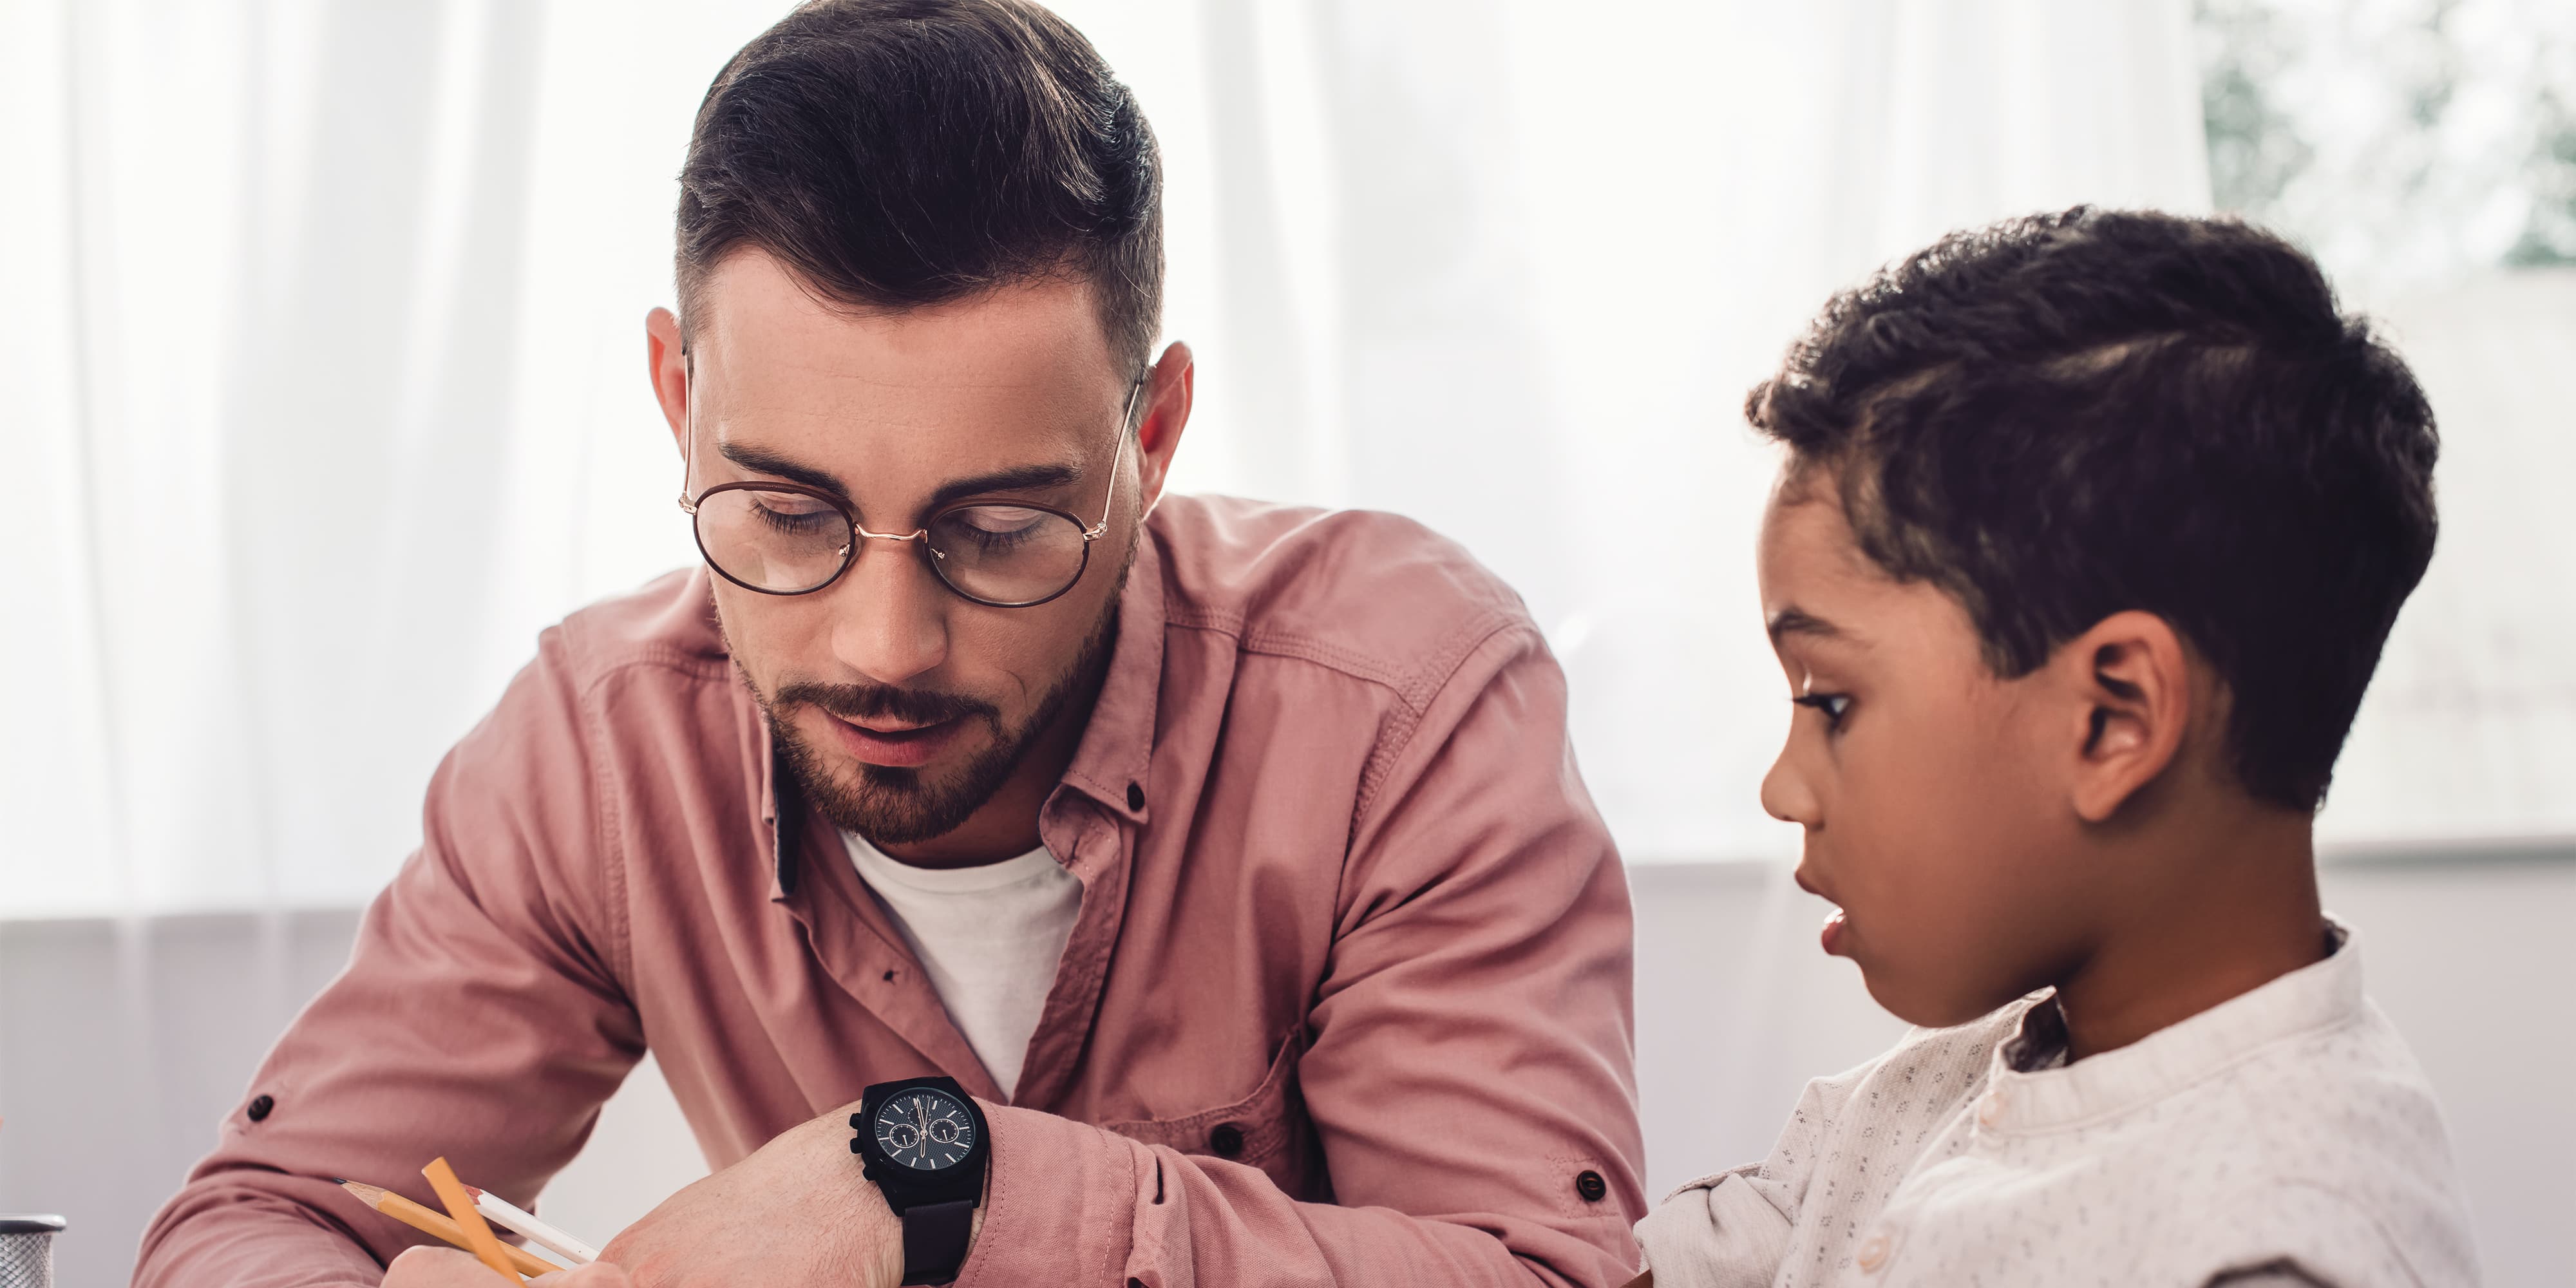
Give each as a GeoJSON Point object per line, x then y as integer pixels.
{"type": "Point", "coordinates": [669, 371]}
{"type": "Point", "coordinates": [1166, 413]}
{"type": "Point", "coordinates": [2132, 684]}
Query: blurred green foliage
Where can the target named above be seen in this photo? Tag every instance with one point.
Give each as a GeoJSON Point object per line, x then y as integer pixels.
{"type": "Point", "coordinates": [2399, 139]}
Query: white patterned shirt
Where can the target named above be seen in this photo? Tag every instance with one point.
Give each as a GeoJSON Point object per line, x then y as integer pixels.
{"type": "Point", "coordinates": [2285, 1136]}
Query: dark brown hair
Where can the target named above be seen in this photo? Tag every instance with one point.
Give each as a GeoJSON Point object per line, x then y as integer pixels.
{"type": "Point", "coordinates": [2066, 416]}
{"type": "Point", "coordinates": [899, 153]}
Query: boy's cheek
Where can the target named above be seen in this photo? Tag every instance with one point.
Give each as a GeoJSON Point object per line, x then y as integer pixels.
{"type": "Point", "coordinates": [1939, 910]}
{"type": "Point", "coordinates": [1931, 833]}
{"type": "Point", "coordinates": [1938, 963]}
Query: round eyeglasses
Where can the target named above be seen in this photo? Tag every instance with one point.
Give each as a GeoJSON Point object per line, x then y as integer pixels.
{"type": "Point", "coordinates": [790, 539]}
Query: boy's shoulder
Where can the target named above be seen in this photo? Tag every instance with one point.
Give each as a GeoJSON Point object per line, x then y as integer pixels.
{"type": "Point", "coordinates": [2288, 1127]}
{"type": "Point", "coordinates": [2328, 1148]}
{"type": "Point", "coordinates": [2291, 1125]}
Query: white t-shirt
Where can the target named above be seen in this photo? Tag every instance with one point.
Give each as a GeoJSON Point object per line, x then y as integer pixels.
{"type": "Point", "coordinates": [990, 937]}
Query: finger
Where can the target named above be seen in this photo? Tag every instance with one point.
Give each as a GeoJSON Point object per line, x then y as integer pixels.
{"type": "Point", "coordinates": [428, 1266]}
{"type": "Point", "coordinates": [598, 1274]}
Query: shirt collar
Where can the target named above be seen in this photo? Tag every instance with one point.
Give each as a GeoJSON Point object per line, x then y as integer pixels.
{"type": "Point", "coordinates": [2031, 1089]}
{"type": "Point", "coordinates": [783, 812]}
{"type": "Point", "coordinates": [1109, 766]}
{"type": "Point", "coordinates": [1117, 748]}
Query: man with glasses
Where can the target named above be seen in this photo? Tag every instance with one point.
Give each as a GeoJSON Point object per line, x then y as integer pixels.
{"type": "Point", "coordinates": [1020, 875]}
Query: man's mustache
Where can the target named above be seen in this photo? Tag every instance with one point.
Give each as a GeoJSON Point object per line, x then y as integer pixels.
{"type": "Point", "coordinates": [885, 701]}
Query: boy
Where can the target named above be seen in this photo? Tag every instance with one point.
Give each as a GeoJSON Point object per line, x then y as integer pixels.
{"type": "Point", "coordinates": [2091, 529]}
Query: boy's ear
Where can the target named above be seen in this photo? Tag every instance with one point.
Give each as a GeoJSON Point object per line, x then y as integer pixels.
{"type": "Point", "coordinates": [2132, 680]}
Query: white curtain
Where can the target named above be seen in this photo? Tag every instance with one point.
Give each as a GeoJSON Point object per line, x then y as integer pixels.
{"type": "Point", "coordinates": [320, 336]}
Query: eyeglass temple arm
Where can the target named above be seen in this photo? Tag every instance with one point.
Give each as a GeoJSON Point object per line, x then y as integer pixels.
{"type": "Point", "coordinates": [688, 425]}
{"type": "Point", "coordinates": [1126, 425]}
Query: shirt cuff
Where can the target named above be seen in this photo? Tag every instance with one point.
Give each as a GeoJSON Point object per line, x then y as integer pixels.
{"type": "Point", "coordinates": [1062, 1202]}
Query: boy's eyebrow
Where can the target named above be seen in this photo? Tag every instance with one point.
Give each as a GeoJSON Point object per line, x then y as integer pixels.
{"type": "Point", "coordinates": [1795, 621]}
{"type": "Point", "coordinates": [1018, 478]}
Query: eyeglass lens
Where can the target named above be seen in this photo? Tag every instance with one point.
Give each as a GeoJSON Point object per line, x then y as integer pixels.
{"type": "Point", "coordinates": [789, 543]}
{"type": "Point", "coordinates": [1007, 554]}
{"type": "Point", "coordinates": [782, 542]}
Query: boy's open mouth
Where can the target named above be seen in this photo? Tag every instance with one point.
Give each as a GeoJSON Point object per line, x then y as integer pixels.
{"type": "Point", "coordinates": [1834, 920]}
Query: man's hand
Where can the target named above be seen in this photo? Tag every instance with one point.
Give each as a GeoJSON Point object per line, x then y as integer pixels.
{"type": "Point", "coordinates": [448, 1268]}
{"type": "Point", "coordinates": [796, 1212]}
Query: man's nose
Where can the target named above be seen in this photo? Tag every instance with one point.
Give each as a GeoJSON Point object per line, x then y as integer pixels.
{"type": "Point", "coordinates": [892, 613]}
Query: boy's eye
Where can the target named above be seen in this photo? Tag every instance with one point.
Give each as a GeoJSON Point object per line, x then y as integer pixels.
{"type": "Point", "coordinates": [1832, 704]}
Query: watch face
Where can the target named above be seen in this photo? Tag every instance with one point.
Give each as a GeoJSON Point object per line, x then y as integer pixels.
{"type": "Point", "coordinates": [925, 1129]}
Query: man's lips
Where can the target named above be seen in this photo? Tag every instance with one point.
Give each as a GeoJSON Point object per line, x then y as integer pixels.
{"type": "Point", "coordinates": [895, 744]}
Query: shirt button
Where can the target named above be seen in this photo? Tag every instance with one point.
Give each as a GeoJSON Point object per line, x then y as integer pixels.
{"type": "Point", "coordinates": [1591, 1186]}
{"type": "Point", "coordinates": [1135, 796]}
{"type": "Point", "coordinates": [1226, 1140]}
{"type": "Point", "coordinates": [1873, 1251]}
{"type": "Point", "coordinates": [259, 1107]}
{"type": "Point", "coordinates": [1992, 1111]}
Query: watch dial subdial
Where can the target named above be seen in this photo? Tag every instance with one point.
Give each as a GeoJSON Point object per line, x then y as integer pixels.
{"type": "Point", "coordinates": [924, 1129]}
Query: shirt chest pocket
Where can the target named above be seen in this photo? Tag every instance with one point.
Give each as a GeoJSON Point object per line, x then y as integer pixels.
{"type": "Point", "coordinates": [1267, 1129]}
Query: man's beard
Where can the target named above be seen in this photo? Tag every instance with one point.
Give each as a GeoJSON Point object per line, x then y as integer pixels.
{"type": "Point", "coordinates": [898, 806]}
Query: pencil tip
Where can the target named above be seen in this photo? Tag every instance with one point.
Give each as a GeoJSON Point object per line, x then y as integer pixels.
{"type": "Point", "coordinates": [339, 1180]}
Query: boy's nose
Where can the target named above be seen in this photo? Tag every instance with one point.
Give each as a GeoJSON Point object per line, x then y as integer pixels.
{"type": "Point", "coordinates": [1786, 795]}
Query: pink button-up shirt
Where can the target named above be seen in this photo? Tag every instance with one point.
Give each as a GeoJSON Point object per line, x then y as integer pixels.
{"type": "Point", "coordinates": [1347, 1001]}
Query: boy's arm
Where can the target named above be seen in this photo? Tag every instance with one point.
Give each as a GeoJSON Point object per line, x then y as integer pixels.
{"type": "Point", "coordinates": [1732, 1230]}
{"type": "Point", "coordinates": [478, 1019]}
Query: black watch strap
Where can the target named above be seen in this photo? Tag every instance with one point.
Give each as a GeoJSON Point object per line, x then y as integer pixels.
{"type": "Point", "coordinates": [934, 1240]}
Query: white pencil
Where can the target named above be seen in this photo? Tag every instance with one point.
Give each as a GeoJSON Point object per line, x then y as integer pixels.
{"type": "Point", "coordinates": [496, 1209]}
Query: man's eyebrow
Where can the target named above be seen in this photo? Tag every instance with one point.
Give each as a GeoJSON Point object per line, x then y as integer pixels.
{"type": "Point", "coordinates": [1795, 621]}
{"type": "Point", "coordinates": [762, 461]}
{"type": "Point", "coordinates": [1017, 478]}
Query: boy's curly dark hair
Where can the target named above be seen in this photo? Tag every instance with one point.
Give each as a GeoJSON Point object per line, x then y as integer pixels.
{"type": "Point", "coordinates": [2061, 417]}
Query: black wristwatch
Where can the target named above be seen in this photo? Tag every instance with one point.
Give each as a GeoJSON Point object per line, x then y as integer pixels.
{"type": "Point", "coordinates": [924, 1144]}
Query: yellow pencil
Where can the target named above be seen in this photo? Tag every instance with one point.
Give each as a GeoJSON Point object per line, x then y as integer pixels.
{"type": "Point", "coordinates": [460, 1206]}
{"type": "Point", "coordinates": [435, 1224]}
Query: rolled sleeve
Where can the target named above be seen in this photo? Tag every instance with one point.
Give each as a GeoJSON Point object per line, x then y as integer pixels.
{"type": "Point", "coordinates": [477, 1020]}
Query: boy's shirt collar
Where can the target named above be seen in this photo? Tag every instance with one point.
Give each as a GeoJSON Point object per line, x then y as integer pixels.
{"type": "Point", "coordinates": [2031, 1088]}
